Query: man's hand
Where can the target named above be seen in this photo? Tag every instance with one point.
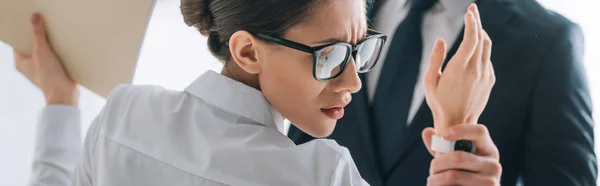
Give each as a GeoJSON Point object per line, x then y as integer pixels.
{"type": "Point", "coordinates": [461, 168]}
{"type": "Point", "coordinates": [460, 93]}
{"type": "Point", "coordinates": [44, 69]}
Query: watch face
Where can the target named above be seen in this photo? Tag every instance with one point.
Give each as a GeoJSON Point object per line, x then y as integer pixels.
{"type": "Point", "coordinates": [465, 145]}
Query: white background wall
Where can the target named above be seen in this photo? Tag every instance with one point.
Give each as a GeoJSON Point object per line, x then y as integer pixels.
{"type": "Point", "coordinates": [172, 56]}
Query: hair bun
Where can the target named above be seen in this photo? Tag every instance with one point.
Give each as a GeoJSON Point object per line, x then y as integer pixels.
{"type": "Point", "coordinates": [197, 13]}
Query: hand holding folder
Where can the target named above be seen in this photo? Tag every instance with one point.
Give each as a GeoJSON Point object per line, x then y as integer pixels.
{"type": "Point", "coordinates": [98, 41]}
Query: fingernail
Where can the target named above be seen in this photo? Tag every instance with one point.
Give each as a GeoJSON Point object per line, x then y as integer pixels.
{"type": "Point", "coordinates": [438, 44]}
{"type": "Point", "coordinates": [35, 18]}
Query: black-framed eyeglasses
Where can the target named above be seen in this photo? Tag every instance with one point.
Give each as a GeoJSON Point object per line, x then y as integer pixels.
{"type": "Point", "coordinates": [330, 60]}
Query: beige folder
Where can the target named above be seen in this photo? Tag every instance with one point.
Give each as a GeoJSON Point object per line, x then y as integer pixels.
{"type": "Point", "coordinates": [98, 41]}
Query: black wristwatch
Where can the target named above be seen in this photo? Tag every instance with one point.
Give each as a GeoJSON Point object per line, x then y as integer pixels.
{"type": "Point", "coordinates": [438, 144]}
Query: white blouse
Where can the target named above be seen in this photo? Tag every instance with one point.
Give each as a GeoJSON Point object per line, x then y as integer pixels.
{"type": "Point", "coordinates": [217, 132]}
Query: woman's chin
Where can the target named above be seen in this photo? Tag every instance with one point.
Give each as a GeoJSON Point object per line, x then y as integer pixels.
{"type": "Point", "coordinates": [324, 129]}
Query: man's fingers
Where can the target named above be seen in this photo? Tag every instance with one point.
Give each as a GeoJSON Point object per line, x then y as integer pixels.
{"type": "Point", "coordinates": [468, 44]}
{"type": "Point", "coordinates": [456, 177]}
{"type": "Point", "coordinates": [487, 48]}
{"type": "Point", "coordinates": [479, 134]}
{"type": "Point", "coordinates": [475, 61]}
{"type": "Point", "coordinates": [486, 59]}
{"type": "Point", "coordinates": [492, 74]}
{"type": "Point", "coordinates": [38, 28]}
{"type": "Point", "coordinates": [436, 59]}
{"type": "Point", "coordinates": [460, 160]}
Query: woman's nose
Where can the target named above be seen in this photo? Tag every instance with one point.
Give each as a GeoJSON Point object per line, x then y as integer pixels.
{"type": "Point", "coordinates": [348, 80]}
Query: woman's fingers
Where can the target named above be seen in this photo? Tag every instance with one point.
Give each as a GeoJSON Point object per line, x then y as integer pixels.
{"type": "Point", "coordinates": [475, 61]}
{"type": "Point", "coordinates": [465, 161]}
{"type": "Point", "coordinates": [21, 61]}
{"type": "Point", "coordinates": [38, 28]}
{"type": "Point", "coordinates": [457, 177]}
{"type": "Point", "coordinates": [479, 134]}
{"type": "Point", "coordinates": [436, 59]}
{"type": "Point", "coordinates": [468, 44]}
{"type": "Point", "coordinates": [426, 135]}
{"type": "Point", "coordinates": [44, 69]}
{"type": "Point", "coordinates": [20, 56]}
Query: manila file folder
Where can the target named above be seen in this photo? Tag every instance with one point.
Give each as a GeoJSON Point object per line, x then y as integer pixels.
{"type": "Point", "coordinates": [98, 41]}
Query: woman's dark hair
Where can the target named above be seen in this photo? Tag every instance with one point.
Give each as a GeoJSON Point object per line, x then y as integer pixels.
{"type": "Point", "coordinates": [219, 19]}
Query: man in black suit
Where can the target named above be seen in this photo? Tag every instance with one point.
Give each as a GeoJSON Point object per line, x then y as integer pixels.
{"type": "Point", "coordinates": [539, 112]}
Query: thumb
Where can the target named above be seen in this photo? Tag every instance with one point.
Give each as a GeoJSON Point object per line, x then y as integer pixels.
{"type": "Point", "coordinates": [38, 29]}
{"type": "Point", "coordinates": [19, 56]}
{"type": "Point", "coordinates": [436, 59]}
{"type": "Point", "coordinates": [21, 62]}
{"type": "Point", "coordinates": [426, 135]}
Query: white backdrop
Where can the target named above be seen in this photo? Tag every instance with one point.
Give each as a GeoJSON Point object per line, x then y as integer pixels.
{"type": "Point", "coordinates": [172, 56]}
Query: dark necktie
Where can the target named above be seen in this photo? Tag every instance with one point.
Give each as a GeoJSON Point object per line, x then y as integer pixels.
{"type": "Point", "coordinates": [396, 84]}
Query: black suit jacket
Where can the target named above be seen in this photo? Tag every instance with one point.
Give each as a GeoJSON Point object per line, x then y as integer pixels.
{"type": "Point", "coordinates": [539, 112]}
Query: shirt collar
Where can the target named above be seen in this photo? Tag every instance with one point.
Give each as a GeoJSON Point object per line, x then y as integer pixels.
{"type": "Point", "coordinates": [235, 97]}
{"type": "Point", "coordinates": [455, 7]}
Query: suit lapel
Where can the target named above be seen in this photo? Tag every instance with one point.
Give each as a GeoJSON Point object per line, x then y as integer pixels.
{"type": "Point", "coordinates": [372, 6]}
{"type": "Point", "coordinates": [358, 117]}
{"type": "Point", "coordinates": [423, 118]}
{"type": "Point", "coordinates": [494, 20]}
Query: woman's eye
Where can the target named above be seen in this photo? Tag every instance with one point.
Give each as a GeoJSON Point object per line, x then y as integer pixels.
{"type": "Point", "coordinates": [326, 53]}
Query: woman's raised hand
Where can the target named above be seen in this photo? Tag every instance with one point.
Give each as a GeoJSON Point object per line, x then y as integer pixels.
{"type": "Point", "coordinates": [44, 69]}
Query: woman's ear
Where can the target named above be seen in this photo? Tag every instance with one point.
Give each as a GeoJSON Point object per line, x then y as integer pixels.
{"type": "Point", "coordinates": [243, 48]}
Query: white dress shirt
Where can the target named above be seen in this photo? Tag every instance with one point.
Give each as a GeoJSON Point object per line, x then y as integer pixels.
{"type": "Point", "coordinates": [217, 132]}
{"type": "Point", "coordinates": [444, 20]}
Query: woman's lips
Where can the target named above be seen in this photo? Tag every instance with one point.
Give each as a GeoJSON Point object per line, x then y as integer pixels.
{"type": "Point", "coordinates": [335, 113]}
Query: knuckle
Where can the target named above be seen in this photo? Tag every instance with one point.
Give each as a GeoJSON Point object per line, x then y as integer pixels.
{"type": "Point", "coordinates": [432, 166]}
{"type": "Point", "coordinates": [487, 41]}
{"type": "Point", "coordinates": [451, 176]}
{"type": "Point", "coordinates": [496, 168]}
{"type": "Point", "coordinates": [490, 182]}
{"type": "Point", "coordinates": [487, 36]}
{"type": "Point", "coordinates": [481, 35]}
{"type": "Point", "coordinates": [436, 163]}
{"type": "Point", "coordinates": [492, 79]}
{"type": "Point", "coordinates": [474, 75]}
{"type": "Point", "coordinates": [482, 130]}
{"type": "Point", "coordinates": [430, 181]}
{"type": "Point", "coordinates": [458, 158]}
{"type": "Point", "coordinates": [476, 39]}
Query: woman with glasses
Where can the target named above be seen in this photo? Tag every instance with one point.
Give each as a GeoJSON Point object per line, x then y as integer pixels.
{"type": "Point", "coordinates": [297, 60]}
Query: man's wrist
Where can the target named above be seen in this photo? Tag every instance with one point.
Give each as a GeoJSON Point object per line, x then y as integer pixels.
{"type": "Point", "coordinates": [451, 121]}
{"type": "Point", "coordinates": [445, 123]}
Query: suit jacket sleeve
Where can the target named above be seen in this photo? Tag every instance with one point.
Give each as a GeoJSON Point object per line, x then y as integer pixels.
{"type": "Point", "coordinates": [559, 140]}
